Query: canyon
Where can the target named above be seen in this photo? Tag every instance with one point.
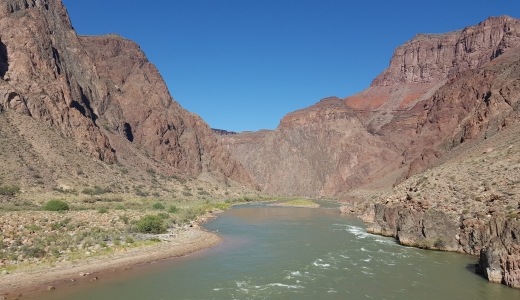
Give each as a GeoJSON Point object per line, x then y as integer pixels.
{"type": "Point", "coordinates": [427, 154]}
{"type": "Point", "coordinates": [407, 153]}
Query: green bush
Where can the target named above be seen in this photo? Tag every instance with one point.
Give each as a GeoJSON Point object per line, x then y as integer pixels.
{"type": "Point", "coordinates": [151, 224]}
{"type": "Point", "coordinates": [56, 205]}
{"type": "Point", "coordinates": [102, 210]}
{"type": "Point", "coordinates": [9, 190]}
{"type": "Point", "coordinates": [173, 209]}
{"type": "Point", "coordinates": [129, 240]}
{"type": "Point", "coordinates": [158, 206]}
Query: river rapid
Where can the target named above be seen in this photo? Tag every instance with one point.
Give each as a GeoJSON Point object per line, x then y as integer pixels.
{"type": "Point", "coordinates": [299, 253]}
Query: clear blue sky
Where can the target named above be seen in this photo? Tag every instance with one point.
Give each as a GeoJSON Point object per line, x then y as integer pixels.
{"type": "Point", "coordinates": [244, 64]}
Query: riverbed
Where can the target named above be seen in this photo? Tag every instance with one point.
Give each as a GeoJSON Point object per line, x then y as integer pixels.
{"type": "Point", "coordinates": [296, 253]}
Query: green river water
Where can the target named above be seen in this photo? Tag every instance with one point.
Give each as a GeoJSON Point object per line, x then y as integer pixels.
{"type": "Point", "coordinates": [298, 253]}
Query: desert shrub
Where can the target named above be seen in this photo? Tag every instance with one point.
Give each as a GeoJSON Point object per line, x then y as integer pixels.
{"type": "Point", "coordinates": [158, 206]}
{"type": "Point", "coordinates": [96, 190]}
{"type": "Point", "coordinates": [151, 172]}
{"type": "Point", "coordinates": [129, 240]}
{"type": "Point", "coordinates": [56, 205]}
{"type": "Point", "coordinates": [102, 210]}
{"type": "Point", "coordinates": [179, 179]}
{"type": "Point", "coordinates": [439, 243]}
{"type": "Point", "coordinates": [173, 209]}
{"type": "Point", "coordinates": [151, 224]}
{"type": "Point", "coordinates": [124, 219]}
{"type": "Point", "coordinates": [203, 192]}
{"type": "Point", "coordinates": [9, 190]}
{"type": "Point", "coordinates": [34, 252]}
{"type": "Point", "coordinates": [187, 194]}
{"type": "Point", "coordinates": [58, 225]}
{"type": "Point", "coordinates": [163, 215]}
{"type": "Point", "coordinates": [139, 192]}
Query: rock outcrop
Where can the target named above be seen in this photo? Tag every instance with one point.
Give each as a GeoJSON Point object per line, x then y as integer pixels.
{"type": "Point", "coordinates": [89, 87]}
{"type": "Point", "coordinates": [431, 58]}
{"type": "Point", "coordinates": [495, 239]}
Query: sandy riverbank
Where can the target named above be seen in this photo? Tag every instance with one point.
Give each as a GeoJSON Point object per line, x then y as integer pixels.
{"type": "Point", "coordinates": [31, 281]}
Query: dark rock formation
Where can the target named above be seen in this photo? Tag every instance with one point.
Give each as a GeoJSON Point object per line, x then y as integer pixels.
{"type": "Point", "coordinates": [222, 132]}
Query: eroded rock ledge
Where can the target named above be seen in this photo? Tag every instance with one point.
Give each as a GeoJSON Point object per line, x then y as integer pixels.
{"type": "Point", "coordinates": [494, 238]}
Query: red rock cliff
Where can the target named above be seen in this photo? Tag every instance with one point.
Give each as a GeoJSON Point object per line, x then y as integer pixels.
{"type": "Point", "coordinates": [77, 84]}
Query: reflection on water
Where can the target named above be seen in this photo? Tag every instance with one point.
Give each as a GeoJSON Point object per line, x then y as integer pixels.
{"type": "Point", "coordinates": [300, 253]}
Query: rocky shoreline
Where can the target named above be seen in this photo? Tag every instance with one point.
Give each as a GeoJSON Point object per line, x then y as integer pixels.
{"type": "Point", "coordinates": [494, 238]}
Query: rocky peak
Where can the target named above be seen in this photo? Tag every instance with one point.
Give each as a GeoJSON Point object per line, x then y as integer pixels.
{"type": "Point", "coordinates": [431, 58]}
{"type": "Point", "coordinates": [326, 109]}
{"type": "Point", "coordinates": [16, 5]}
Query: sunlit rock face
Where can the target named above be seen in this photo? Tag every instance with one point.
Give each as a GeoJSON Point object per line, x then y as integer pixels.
{"type": "Point", "coordinates": [88, 86]}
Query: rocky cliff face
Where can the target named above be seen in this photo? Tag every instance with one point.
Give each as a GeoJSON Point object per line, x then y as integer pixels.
{"type": "Point", "coordinates": [316, 151]}
{"type": "Point", "coordinates": [83, 84]}
{"type": "Point", "coordinates": [495, 239]}
{"type": "Point", "coordinates": [142, 110]}
{"type": "Point", "coordinates": [47, 75]}
{"type": "Point", "coordinates": [430, 99]}
{"type": "Point", "coordinates": [430, 58]}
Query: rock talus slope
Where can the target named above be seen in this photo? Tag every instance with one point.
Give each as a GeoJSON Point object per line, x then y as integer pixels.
{"type": "Point", "coordinates": [86, 86]}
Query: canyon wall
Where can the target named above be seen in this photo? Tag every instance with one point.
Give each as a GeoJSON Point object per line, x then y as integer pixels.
{"type": "Point", "coordinates": [89, 86]}
{"type": "Point", "coordinates": [439, 91]}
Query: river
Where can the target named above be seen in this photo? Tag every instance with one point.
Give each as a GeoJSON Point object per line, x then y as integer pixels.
{"type": "Point", "coordinates": [299, 253]}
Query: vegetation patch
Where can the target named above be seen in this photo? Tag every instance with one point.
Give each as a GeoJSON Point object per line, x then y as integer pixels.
{"type": "Point", "coordinates": [56, 205]}
{"type": "Point", "coordinates": [298, 203]}
{"type": "Point", "coordinates": [151, 224]}
{"type": "Point", "coordinates": [9, 190]}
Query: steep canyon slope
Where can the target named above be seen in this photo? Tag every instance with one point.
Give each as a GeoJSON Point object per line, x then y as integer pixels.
{"type": "Point", "coordinates": [439, 91]}
{"type": "Point", "coordinates": [101, 92]}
